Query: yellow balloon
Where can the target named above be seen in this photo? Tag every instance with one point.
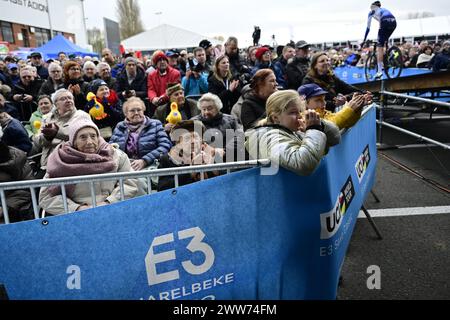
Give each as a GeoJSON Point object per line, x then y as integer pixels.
{"type": "Point", "coordinates": [37, 124]}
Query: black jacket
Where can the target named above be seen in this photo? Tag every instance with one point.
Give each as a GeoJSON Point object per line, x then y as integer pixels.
{"type": "Point", "coordinates": [296, 71]}
{"type": "Point", "coordinates": [139, 84]}
{"type": "Point", "coordinates": [80, 99]}
{"type": "Point", "coordinates": [334, 88]}
{"type": "Point", "coordinates": [168, 182]}
{"type": "Point", "coordinates": [48, 89]}
{"type": "Point", "coordinates": [253, 109]}
{"type": "Point", "coordinates": [26, 108]}
{"type": "Point", "coordinates": [227, 97]}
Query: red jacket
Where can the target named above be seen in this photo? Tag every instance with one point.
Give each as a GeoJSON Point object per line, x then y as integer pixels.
{"type": "Point", "coordinates": [157, 84]}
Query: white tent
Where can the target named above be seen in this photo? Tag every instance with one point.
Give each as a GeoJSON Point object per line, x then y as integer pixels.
{"type": "Point", "coordinates": [164, 37]}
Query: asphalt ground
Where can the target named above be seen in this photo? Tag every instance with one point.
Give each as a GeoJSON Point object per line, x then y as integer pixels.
{"type": "Point", "coordinates": [414, 255]}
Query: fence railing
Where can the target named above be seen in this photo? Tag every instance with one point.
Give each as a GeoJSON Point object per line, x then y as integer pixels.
{"type": "Point", "coordinates": [32, 185]}
{"type": "Point", "coordinates": [410, 133]}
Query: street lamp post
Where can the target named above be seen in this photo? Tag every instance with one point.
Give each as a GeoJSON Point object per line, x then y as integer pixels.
{"type": "Point", "coordinates": [49, 20]}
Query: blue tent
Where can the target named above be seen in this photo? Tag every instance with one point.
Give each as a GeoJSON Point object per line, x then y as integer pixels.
{"type": "Point", "coordinates": [58, 44]}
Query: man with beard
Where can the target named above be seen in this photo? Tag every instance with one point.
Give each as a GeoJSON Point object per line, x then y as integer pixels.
{"type": "Point", "coordinates": [132, 81]}
{"type": "Point", "coordinates": [36, 61]}
{"type": "Point", "coordinates": [115, 67]}
{"type": "Point", "coordinates": [237, 65]}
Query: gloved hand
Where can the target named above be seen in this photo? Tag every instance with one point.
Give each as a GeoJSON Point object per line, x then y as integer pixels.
{"type": "Point", "coordinates": [50, 130]}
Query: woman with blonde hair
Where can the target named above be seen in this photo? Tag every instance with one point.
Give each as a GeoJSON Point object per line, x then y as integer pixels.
{"type": "Point", "coordinates": [286, 138]}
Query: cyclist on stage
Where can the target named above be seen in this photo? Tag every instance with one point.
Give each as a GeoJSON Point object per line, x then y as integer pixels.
{"type": "Point", "coordinates": [387, 26]}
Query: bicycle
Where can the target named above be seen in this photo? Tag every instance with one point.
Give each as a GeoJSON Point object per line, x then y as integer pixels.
{"type": "Point", "coordinates": [392, 61]}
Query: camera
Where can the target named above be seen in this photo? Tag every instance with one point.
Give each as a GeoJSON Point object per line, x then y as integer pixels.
{"type": "Point", "coordinates": [127, 93]}
{"type": "Point", "coordinates": [191, 64]}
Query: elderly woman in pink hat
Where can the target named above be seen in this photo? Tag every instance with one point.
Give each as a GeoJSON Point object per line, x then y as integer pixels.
{"type": "Point", "coordinates": [86, 153]}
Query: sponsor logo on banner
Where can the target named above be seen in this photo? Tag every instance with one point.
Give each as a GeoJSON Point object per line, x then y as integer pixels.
{"type": "Point", "coordinates": [332, 220]}
{"type": "Point", "coordinates": [362, 164]}
{"type": "Point", "coordinates": [156, 258]}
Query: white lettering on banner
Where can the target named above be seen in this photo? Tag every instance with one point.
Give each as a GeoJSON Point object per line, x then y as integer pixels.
{"type": "Point", "coordinates": [195, 288]}
{"type": "Point", "coordinates": [195, 245]}
{"type": "Point", "coordinates": [336, 245]}
{"type": "Point", "coordinates": [362, 164]}
{"type": "Point", "coordinates": [74, 280]}
{"type": "Point", "coordinates": [331, 221]}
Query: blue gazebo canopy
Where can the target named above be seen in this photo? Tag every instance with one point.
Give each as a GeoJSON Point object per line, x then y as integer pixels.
{"type": "Point", "coordinates": [58, 44]}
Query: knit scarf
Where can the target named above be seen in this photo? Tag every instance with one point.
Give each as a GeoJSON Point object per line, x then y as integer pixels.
{"type": "Point", "coordinates": [66, 161]}
{"type": "Point", "coordinates": [135, 130]}
{"type": "Point", "coordinates": [212, 122]}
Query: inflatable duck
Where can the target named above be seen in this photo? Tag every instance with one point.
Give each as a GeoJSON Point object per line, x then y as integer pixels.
{"type": "Point", "coordinates": [97, 111]}
{"type": "Point", "coordinates": [37, 124]}
{"type": "Point", "coordinates": [174, 116]}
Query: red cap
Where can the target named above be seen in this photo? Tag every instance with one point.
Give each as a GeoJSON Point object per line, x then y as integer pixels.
{"type": "Point", "coordinates": [260, 51]}
{"type": "Point", "coordinates": [158, 57]}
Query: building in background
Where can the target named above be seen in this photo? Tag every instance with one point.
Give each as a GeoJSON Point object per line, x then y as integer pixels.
{"type": "Point", "coordinates": [26, 23]}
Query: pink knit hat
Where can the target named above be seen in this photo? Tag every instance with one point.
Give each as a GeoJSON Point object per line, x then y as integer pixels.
{"type": "Point", "coordinates": [77, 126]}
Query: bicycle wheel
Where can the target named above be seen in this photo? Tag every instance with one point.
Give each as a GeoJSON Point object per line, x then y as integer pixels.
{"type": "Point", "coordinates": [393, 63]}
{"type": "Point", "coordinates": [371, 67]}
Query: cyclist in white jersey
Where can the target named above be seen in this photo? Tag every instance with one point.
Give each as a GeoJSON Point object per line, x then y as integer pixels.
{"type": "Point", "coordinates": [387, 26]}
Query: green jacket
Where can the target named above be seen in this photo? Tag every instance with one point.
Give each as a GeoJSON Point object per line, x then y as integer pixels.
{"type": "Point", "coordinates": [31, 129]}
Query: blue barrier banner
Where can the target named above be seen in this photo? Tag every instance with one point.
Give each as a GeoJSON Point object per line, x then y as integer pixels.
{"type": "Point", "coordinates": [354, 75]}
{"type": "Point", "coordinates": [239, 236]}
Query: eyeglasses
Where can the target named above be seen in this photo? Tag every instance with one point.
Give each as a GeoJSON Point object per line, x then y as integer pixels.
{"type": "Point", "coordinates": [65, 98]}
{"type": "Point", "coordinates": [135, 111]}
{"type": "Point", "coordinates": [74, 69]}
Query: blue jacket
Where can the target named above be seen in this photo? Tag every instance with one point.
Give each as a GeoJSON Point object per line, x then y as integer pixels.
{"type": "Point", "coordinates": [279, 68]}
{"type": "Point", "coordinates": [193, 86]}
{"type": "Point", "coordinates": [152, 142]}
{"type": "Point", "coordinates": [441, 61]}
{"type": "Point", "coordinates": [15, 135]}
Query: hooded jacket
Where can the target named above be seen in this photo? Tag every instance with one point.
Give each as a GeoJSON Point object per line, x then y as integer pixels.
{"type": "Point", "coordinates": [296, 151]}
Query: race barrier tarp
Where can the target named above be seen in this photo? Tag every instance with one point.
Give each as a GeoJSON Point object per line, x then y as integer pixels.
{"type": "Point", "coordinates": [246, 235]}
{"type": "Point", "coordinates": [354, 75]}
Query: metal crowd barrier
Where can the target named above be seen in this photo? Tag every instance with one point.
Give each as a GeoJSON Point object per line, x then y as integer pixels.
{"type": "Point", "coordinates": [91, 179]}
{"type": "Point", "coordinates": [413, 134]}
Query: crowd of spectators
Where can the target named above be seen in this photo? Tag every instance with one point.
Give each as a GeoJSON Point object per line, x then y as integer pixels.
{"type": "Point", "coordinates": [434, 56]}
{"type": "Point", "coordinates": [82, 115]}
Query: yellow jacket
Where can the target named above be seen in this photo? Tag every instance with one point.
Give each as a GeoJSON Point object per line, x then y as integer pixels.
{"type": "Point", "coordinates": [344, 119]}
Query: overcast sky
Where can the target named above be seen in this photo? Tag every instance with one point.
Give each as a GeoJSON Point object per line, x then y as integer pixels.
{"type": "Point", "coordinates": [286, 19]}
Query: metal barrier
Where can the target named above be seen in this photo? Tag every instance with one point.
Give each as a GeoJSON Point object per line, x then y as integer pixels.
{"type": "Point", "coordinates": [91, 179]}
{"type": "Point", "coordinates": [413, 134]}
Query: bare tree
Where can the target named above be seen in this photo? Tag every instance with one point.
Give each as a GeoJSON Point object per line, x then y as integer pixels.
{"type": "Point", "coordinates": [96, 39]}
{"type": "Point", "coordinates": [129, 14]}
